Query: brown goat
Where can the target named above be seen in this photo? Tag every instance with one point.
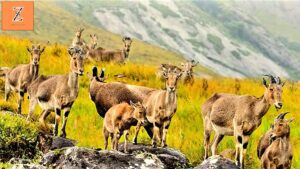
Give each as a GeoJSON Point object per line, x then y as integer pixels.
{"type": "Point", "coordinates": [162, 67]}
{"type": "Point", "coordinates": [20, 77]}
{"type": "Point", "coordinates": [105, 95]}
{"type": "Point", "coordinates": [77, 41]}
{"type": "Point", "coordinates": [59, 92]}
{"type": "Point", "coordinates": [119, 119]}
{"type": "Point", "coordinates": [238, 116]}
{"type": "Point", "coordinates": [264, 141]}
{"type": "Point", "coordinates": [105, 55]}
{"type": "Point", "coordinates": [187, 72]}
{"type": "Point", "coordinates": [161, 107]}
{"type": "Point", "coordinates": [279, 153]}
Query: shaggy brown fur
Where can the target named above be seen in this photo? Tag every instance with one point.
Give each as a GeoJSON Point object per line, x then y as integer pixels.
{"type": "Point", "coordinates": [20, 77]}
{"type": "Point", "coordinates": [106, 95]}
{"type": "Point", "coordinates": [119, 119]}
{"type": "Point", "coordinates": [57, 93]}
{"type": "Point", "coordinates": [161, 107]}
{"type": "Point", "coordinates": [105, 55]}
{"type": "Point", "coordinates": [279, 153]}
{"type": "Point", "coordinates": [238, 116]}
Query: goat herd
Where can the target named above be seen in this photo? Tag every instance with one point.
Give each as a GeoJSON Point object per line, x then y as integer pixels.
{"type": "Point", "coordinates": [124, 105]}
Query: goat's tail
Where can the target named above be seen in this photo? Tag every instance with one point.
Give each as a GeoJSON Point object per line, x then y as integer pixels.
{"type": "Point", "coordinates": [3, 71]}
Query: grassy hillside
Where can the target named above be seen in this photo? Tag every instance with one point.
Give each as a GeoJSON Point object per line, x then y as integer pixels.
{"type": "Point", "coordinates": [57, 25]}
{"type": "Point", "coordinates": [186, 130]}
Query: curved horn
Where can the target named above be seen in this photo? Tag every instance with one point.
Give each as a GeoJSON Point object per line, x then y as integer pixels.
{"type": "Point", "coordinates": [273, 80]}
{"type": "Point", "coordinates": [281, 116]}
{"type": "Point", "coordinates": [278, 80]}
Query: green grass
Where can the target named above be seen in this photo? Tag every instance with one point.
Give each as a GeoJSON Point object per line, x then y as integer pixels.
{"type": "Point", "coordinates": [186, 130]}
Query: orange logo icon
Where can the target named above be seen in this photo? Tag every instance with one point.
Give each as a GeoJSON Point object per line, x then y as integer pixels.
{"type": "Point", "coordinates": [17, 15]}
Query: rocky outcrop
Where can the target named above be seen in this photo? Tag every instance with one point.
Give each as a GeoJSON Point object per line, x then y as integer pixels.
{"type": "Point", "coordinates": [140, 156]}
{"type": "Point", "coordinates": [217, 162]}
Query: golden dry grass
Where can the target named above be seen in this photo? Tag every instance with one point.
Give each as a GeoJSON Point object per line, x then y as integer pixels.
{"type": "Point", "coordinates": [186, 130]}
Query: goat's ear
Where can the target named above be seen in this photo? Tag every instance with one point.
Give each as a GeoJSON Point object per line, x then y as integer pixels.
{"type": "Point", "coordinates": [43, 49]}
{"type": "Point", "coordinates": [28, 49]}
{"type": "Point", "coordinates": [265, 83]}
{"type": "Point", "coordinates": [272, 126]}
{"type": "Point", "coordinates": [71, 51]}
{"type": "Point", "coordinates": [194, 63]}
{"type": "Point", "coordinates": [290, 120]}
{"type": "Point", "coordinates": [91, 36]}
{"type": "Point", "coordinates": [165, 74]}
{"type": "Point", "coordinates": [131, 103]}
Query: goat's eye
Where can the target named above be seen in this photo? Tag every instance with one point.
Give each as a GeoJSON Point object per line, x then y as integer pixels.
{"type": "Point", "coordinates": [271, 90]}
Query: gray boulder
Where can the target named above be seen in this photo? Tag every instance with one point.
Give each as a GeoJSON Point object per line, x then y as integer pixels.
{"type": "Point", "coordinates": [217, 162]}
{"type": "Point", "coordinates": [140, 156]}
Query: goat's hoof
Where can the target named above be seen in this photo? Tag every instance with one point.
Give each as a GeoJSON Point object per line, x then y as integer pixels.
{"type": "Point", "coordinates": [63, 135]}
{"type": "Point", "coordinates": [164, 145]}
{"type": "Point", "coordinates": [134, 143]}
{"type": "Point", "coordinates": [153, 145]}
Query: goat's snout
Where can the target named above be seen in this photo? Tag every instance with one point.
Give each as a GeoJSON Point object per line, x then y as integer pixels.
{"type": "Point", "coordinates": [172, 89]}
{"type": "Point", "coordinates": [278, 105]}
{"type": "Point", "coordinates": [81, 72]}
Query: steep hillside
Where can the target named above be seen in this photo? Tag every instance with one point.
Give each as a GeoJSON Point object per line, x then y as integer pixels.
{"type": "Point", "coordinates": [57, 25]}
{"type": "Point", "coordinates": [219, 34]}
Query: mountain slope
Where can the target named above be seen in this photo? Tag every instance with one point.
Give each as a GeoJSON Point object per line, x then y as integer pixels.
{"type": "Point", "coordinates": [221, 35]}
{"type": "Point", "coordinates": [57, 25]}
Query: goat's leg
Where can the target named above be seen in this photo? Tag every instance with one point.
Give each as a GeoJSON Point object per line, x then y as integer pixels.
{"type": "Point", "coordinates": [155, 135]}
{"type": "Point", "coordinates": [32, 104]}
{"type": "Point", "coordinates": [217, 139]}
{"type": "Point", "coordinates": [63, 128]}
{"type": "Point", "coordinates": [207, 133]}
{"type": "Point", "coordinates": [57, 119]}
{"type": "Point", "coordinates": [21, 98]}
{"type": "Point", "coordinates": [165, 132]}
{"type": "Point", "coordinates": [126, 133]}
{"type": "Point", "coordinates": [106, 135]}
{"type": "Point", "coordinates": [42, 118]}
{"type": "Point", "coordinates": [137, 129]}
{"type": "Point", "coordinates": [238, 149]}
{"type": "Point", "coordinates": [7, 90]}
{"type": "Point", "coordinates": [243, 150]}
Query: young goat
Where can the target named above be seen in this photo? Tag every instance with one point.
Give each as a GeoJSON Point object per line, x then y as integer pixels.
{"type": "Point", "coordinates": [119, 119]}
{"type": "Point", "coordinates": [77, 41]}
{"type": "Point", "coordinates": [278, 152]}
{"type": "Point", "coordinates": [57, 93]}
{"type": "Point", "coordinates": [264, 141]}
{"type": "Point", "coordinates": [187, 72]}
{"type": "Point", "coordinates": [238, 116]}
{"type": "Point", "coordinates": [161, 107]}
{"type": "Point", "coordinates": [101, 54]}
{"type": "Point", "coordinates": [20, 77]}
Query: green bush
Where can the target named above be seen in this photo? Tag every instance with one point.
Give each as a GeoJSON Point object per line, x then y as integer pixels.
{"type": "Point", "coordinates": [17, 137]}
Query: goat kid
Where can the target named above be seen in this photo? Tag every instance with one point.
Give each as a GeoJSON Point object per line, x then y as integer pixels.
{"type": "Point", "coordinates": [278, 152]}
{"type": "Point", "coordinates": [119, 119]}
